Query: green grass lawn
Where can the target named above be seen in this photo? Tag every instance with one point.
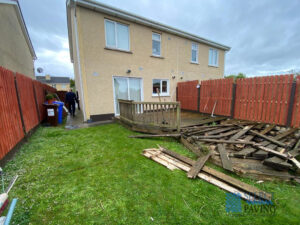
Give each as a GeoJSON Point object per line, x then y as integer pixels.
{"type": "Point", "coordinates": [98, 176]}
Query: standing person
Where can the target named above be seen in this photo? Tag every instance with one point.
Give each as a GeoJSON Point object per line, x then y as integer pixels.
{"type": "Point", "coordinates": [70, 99]}
{"type": "Point", "coordinates": [77, 100]}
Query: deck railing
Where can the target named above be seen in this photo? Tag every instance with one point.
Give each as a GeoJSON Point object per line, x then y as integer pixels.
{"type": "Point", "coordinates": [165, 115]}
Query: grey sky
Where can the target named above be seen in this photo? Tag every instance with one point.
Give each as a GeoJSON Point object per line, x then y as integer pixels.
{"type": "Point", "coordinates": [264, 34]}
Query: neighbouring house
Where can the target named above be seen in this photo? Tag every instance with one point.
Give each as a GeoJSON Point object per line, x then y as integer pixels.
{"type": "Point", "coordinates": [60, 83]}
{"type": "Point", "coordinates": [120, 55]}
{"type": "Point", "coordinates": [16, 50]}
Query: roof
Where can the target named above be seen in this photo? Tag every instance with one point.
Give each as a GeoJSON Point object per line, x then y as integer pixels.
{"type": "Point", "coordinates": [53, 80]}
{"type": "Point", "coordinates": [109, 10]}
{"type": "Point", "coordinates": [21, 20]}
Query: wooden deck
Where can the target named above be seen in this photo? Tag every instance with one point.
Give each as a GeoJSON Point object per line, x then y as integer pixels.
{"type": "Point", "coordinates": [191, 118]}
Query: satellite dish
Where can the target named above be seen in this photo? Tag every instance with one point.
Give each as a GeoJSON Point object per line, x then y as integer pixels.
{"type": "Point", "coordinates": [40, 70]}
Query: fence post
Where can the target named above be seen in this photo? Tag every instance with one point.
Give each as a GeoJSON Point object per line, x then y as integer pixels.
{"type": "Point", "coordinates": [291, 105]}
{"type": "Point", "coordinates": [198, 98]}
{"type": "Point", "coordinates": [176, 93]}
{"type": "Point", "coordinates": [178, 117]}
{"type": "Point", "coordinates": [233, 100]}
{"type": "Point", "coordinates": [36, 103]}
{"type": "Point", "coordinates": [19, 104]}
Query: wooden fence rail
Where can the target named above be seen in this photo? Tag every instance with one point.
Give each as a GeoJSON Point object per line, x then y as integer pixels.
{"type": "Point", "coordinates": [21, 109]}
{"type": "Point", "coordinates": [270, 99]}
{"type": "Point", "coordinates": [165, 115]}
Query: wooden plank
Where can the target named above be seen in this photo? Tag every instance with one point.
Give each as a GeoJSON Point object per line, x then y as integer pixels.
{"type": "Point", "coordinates": [284, 134]}
{"type": "Point", "coordinates": [262, 154]}
{"type": "Point", "coordinates": [268, 129]}
{"type": "Point", "coordinates": [198, 166]}
{"type": "Point", "coordinates": [164, 158]}
{"type": "Point", "coordinates": [270, 139]}
{"type": "Point", "coordinates": [155, 135]}
{"type": "Point", "coordinates": [244, 152]}
{"type": "Point", "coordinates": [240, 133]}
{"type": "Point", "coordinates": [219, 131]}
{"type": "Point", "coordinates": [228, 141]}
{"type": "Point", "coordinates": [226, 162]}
{"type": "Point", "coordinates": [226, 178]}
{"type": "Point", "coordinates": [191, 147]}
{"type": "Point", "coordinates": [155, 158]}
{"type": "Point", "coordinates": [209, 120]}
{"type": "Point", "coordinates": [277, 163]}
{"type": "Point", "coordinates": [216, 136]}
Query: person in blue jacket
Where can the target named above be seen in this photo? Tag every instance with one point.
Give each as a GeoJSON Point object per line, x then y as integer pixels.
{"type": "Point", "coordinates": [70, 100]}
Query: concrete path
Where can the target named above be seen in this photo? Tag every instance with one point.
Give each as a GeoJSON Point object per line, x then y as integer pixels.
{"type": "Point", "coordinates": [77, 122]}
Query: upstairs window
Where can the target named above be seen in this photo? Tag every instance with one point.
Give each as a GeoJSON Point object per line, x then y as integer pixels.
{"type": "Point", "coordinates": [194, 55]}
{"type": "Point", "coordinates": [160, 87]}
{"type": "Point", "coordinates": [116, 35]}
{"type": "Point", "coordinates": [213, 58]}
{"type": "Point", "coordinates": [156, 44]}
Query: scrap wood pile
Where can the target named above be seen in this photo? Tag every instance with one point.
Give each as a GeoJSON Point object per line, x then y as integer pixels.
{"type": "Point", "coordinates": [262, 151]}
{"type": "Point", "coordinates": [173, 160]}
{"type": "Point", "coordinates": [257, 150]}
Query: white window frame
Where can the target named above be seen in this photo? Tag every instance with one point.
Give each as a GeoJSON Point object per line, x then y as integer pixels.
{"type": "Point", "coordinates": [159, 43]}
{"type": "Point", "coordinates": [215, 51]}
{"type": "Point", "coordinates": [160, 91]}
{"type": "Point", "coordinates": [197, 52]}
{"type": "Point", "coordinates": [116, 39]}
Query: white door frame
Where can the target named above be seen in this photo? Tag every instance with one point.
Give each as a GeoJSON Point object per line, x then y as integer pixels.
{"type": "Point", "coordinates": [114, 95]}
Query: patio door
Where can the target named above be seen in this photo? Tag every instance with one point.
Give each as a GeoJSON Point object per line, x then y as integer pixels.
{"type": "Point", "coordinates": [127, 88]}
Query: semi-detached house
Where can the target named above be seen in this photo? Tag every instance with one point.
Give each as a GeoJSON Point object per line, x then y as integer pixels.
{"type": "Point", "coordinates": [120, 55]}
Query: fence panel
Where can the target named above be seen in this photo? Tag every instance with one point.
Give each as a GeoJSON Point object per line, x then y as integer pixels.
{"type": "Point", "coordinates": [263, 99]}
{"type": "Point", "coordinates": [27, 101]}
{"type": "Point", "coordinates": [49, 89]}
{"type": "Point", "coordinates": [40, 98]}
{"type": "Point", "coordinates": [188, 95]}
{"type": "Point", "coordinates": [11, 129]}
{"type": "Point", "coordinates": [296, 109]}
{"type": "Point", "coordinates": [218, 94]}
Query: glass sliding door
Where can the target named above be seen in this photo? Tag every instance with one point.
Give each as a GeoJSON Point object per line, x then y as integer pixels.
{"type": "Point", "coordinates": [126, 88]}
{"type": "Point", "coordinates": [121, 91]}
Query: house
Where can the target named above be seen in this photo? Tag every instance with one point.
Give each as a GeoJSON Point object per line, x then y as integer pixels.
{"type": "Point", "coordinates": [120, 55]}
{"type": "Point", "coordinates": [60, 83]}
{"type": "Point", "coordinates": [16, 50]}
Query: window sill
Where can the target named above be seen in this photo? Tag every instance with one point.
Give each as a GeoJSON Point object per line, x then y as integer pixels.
{"type": "Point", "coordinates": [213, 66]}
{"type": "Point", "coordinates": [118, 50]}
{"type": "Point", "coordinates": [196, 63]}
{"type": "Point", "coordinates": [157, 56]}
{"type": "Point", "coordinates": [163, 95]}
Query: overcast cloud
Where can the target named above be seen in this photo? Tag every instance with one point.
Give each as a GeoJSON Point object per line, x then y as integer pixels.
{"type": "Point", "coordinates": [264, 35]}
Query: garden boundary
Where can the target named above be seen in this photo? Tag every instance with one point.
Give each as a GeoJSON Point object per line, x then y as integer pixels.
{"type": "Point", "coordinates": [269, 99]}
{"type": "Point", "coordinates": [21, 108]}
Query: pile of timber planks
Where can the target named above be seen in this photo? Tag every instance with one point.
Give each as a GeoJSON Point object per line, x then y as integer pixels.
{"type": "Point", "coordinates": [173, 160]}
{"type": "Point", "coordinates": [263, 151]}
{"type": "Point", "coordinates": [256, 150]}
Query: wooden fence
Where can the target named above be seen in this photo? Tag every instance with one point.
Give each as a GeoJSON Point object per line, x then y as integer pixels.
{"type": "Point", "coordinates": [21, 100]}
{"type": "Point", "coordinates": [216, 96]}
{"type": "Point", "coordinates": [263, 99]}
{"type": "Point", "coordinates": [187, 93]}
{"type": "Point", "coordinates": [271, 99]}
{"type": "Point", "coordinates": [164, 115]}
{"type": "Point", "coordinates": [11, 129]}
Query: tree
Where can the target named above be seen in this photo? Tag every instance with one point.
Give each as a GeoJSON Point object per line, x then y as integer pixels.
{"type": "Point", "coordinates": [72, 83]}
{"type": "Point", "coordinates": [238, 76]}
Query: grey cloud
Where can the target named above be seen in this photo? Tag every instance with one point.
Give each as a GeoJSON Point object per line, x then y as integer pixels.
{"type": "Point", "coordinates": [264, 34]}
